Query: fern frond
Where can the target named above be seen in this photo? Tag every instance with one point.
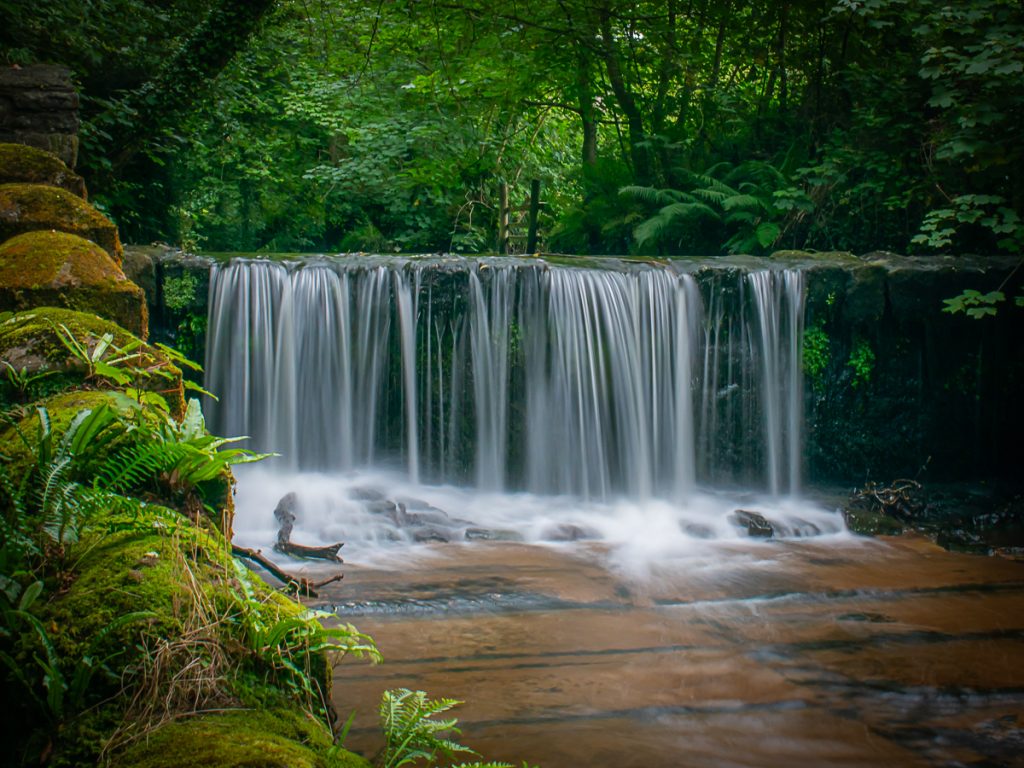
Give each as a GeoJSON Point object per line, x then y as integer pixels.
{"type": "Point", "coordinates": [653, 194]}
{"type": "Point", "coordinates": [134, 465]}
{"type": "Point", "coordinates": [742, 202]}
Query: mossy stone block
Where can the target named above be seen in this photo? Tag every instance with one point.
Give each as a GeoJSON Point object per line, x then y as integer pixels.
{"type": "Point", "coordinates": [20, 163]}
{"type": "Point", "coordinates": [58, 269]}
{"type": "Point", "coordinates": [31, 341]}
{"type": "Point", "coordinates": [30, 207]}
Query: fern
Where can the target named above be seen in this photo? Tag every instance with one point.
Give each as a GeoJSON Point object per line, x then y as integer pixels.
{"type": "Point", "coordinates": [411, 730]}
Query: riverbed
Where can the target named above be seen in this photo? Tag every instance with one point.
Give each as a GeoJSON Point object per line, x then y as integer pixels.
{"type": "Point", "coordinates": [848, 651]}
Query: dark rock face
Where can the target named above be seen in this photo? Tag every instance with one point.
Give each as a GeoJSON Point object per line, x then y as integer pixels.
{"type": "Point", "coordinates": [900, 384]}
{"type": "Point", "coordinates": [39, 107]}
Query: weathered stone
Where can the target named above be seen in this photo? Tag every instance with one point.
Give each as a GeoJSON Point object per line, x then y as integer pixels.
{"type": "Point", "coordinates": [32, 207]}
{"type": "Point", "coordinates": [754, 523]}
{"type": "Point", "coordinates": [39, 107]}
{"type": "Point", "coordinates": [20, 163]}
{"type": "Point", "coordinates": [57, 269]}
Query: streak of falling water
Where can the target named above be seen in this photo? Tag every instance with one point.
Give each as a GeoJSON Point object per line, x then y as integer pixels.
{"type": "Point", "coordinates": [518, 375]}
{"type": "Point", "coordinates": [778, 300]}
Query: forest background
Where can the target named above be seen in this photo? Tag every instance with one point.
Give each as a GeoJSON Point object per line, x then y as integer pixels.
{"type": "Point", "coordinates": [656, 127]}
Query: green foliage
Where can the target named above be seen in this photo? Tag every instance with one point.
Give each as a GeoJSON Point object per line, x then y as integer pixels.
{"type": "Point", "coordinates": [817, 354]}
{"type": "Point", "coordinates": [861, 362]}
{"type": "Point", "coordinates": [288, 645]}
{"type": "Point", "coordinates": [414, 733]}
{"type": "Point", "coordinates": [749, 204]}
{"type": "Point", "coordinates": [975, 304]}
{"type": "Point", "coordinates": [179, 291]}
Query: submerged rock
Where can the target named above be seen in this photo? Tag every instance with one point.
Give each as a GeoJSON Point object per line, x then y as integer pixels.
{"type": "Point", "coordinates": [754, 523]}
{"type": "Point", "coordinates": [57, 269]}
{"type": "Point", "coordinates": [32, 207]}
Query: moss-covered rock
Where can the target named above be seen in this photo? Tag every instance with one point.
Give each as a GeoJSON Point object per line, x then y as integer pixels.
{"type": "Point", "coordinates": [30, 342]}
{"type": "Point", "coordinates": [61, 408]}
{"type": "Point", "coordinates": [58, 269]}
{"type": "Point", "coordinates": [31, 207]}
{"type": "Point", "coordinates": [20, 163]}
{"type": "Point", "coordinates": [242, 739]}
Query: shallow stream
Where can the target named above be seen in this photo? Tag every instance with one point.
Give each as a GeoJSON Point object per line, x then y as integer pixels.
{"type": "Point", "coordinates": [669, 638]}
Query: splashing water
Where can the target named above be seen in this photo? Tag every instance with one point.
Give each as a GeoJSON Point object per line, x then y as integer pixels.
{"type": "Point", "coordinates": [541, 402]}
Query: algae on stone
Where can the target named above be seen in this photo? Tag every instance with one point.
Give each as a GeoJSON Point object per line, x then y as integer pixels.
{"type": "Point", "coordinates": [58, 269]}
{"type": "Point", "coordinates": [20, 163]}
{"type": "Point", "coordinates": [30, 207]}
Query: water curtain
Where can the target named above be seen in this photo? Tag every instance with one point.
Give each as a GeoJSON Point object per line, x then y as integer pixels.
{"type": "Point", "coordinates": [643, 381]}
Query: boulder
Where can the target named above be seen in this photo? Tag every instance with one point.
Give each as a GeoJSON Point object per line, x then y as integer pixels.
{"type": "Point", "coordinates": [31, 207]}
{"type": "Point", "coordinates": [31, 343]}
{"type": "Point", "coordinates": [754, 523]}
{"type": "Point", "coordinates": [57, 269]}
{"type": "Point", "coordinates": [20, 163]}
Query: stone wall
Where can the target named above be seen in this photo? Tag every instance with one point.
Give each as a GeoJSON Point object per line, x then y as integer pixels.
{"type": "Point", "coordinates": [39, 107]}
{"type": "Point", "coordinates": [893, 385]}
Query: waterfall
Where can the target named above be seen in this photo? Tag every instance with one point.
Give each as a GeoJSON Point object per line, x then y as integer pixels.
{"type": "Point", "coordinates": [644, 381]}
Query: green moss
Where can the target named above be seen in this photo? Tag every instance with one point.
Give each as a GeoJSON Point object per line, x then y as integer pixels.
{"type": "Point", "coordinates": [48, 268]}
{"type": "Point", "coordinates": [242, 739]}
{"type": "Point", "coordinates": [871, 523]}
{"type": "Point", "coordinates": [31, 207]}
{"type": "Point", "coordinates": [30, 341]}
{"type": "Point", "coordinates": [20, 163]}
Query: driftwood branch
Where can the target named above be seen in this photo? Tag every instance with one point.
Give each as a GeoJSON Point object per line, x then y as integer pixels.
{"type": "Point", "coordinates": [299, 584]}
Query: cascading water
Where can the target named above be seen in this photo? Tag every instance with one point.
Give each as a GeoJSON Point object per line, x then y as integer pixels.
{"type": "Point", "coordinates": [636, 384]}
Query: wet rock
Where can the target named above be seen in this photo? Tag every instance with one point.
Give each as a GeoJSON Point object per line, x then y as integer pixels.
{"type": "Point", "coordinates": [360, 494]}
{"type": "Point", "coordinates": [568, 532]}
{"type": "Point", "coordinates": [697, 531]}
{"type": "Point", "coordinates": [284, 513]}
{"type": "Point", "coordinates": [754, 523]}
{"type": "Point", "coordinates": [488, 534]}
{"type": "Point", "coordinates": [871, 523]}
{"type": "Point", "coordinates": [382, 507]}
{"type": "Point", "coordinates": [429, 533]}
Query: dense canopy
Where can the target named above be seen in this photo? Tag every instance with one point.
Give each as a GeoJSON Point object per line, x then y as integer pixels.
{"type": "Point", "coordinates": [663, 126]}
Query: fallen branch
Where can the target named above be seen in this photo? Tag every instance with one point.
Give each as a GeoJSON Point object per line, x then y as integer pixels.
{"type": "Point", "coordinates": [298, 584]}
{"type": "Point", "coordinates": [330, 552]}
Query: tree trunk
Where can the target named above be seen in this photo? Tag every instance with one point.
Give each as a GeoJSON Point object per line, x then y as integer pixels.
{"type": "Point", "coordinates": [639, 154]}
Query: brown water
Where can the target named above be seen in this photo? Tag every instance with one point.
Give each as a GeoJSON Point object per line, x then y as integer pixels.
{"type": "Point", "coordinates": [869, 653]}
